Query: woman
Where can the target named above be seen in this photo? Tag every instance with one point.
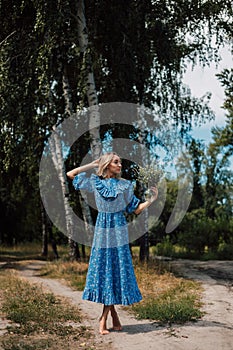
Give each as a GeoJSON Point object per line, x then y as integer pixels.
{"type": "Point", "coordinates": [110, 278]}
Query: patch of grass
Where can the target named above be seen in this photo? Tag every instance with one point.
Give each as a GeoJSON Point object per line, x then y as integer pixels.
{"type": "Point", "coordinates": [21, 252]}
{"type": "Point", "coordinates": [30, 251]}
{"type": "Point", "coordinates": [174, 306]}
{"type": "Point", "coordinates": [74, 273]}
{"type": "Point", "coordinates": [166, 298]}
{"type": "Point", "coordinates": [39, 319]}
{"type": "Point", "coordinates": [29, 344]}
{"type": "Point", "coordinates": [33, 309]}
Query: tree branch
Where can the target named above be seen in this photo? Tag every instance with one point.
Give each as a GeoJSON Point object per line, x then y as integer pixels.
{"type": "Point", "coordinates": [8, 36]}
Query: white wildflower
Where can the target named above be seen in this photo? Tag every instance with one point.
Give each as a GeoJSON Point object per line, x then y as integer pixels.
{"type": "Point", "coordinates": [150, 175]}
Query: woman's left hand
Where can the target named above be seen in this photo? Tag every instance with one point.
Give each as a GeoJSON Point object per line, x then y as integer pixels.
{"type": "Point", "coordinates": [147, 203]}
{"type": "Point", "coordinates": [95, 163]}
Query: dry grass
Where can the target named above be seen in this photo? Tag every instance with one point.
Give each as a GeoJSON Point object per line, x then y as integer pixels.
{"type": "Point", "coordinates": [153, 280]}
{"type": "Point", "coordinates": [166, 298]}
{"type": "Point", "coordinates": [39, 320]}
{"type": "Point", "coordinates": [74, 273]}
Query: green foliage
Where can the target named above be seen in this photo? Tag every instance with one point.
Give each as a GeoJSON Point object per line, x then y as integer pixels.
{"type": "Point", "coordinates": [226, 80]}
{"type": "Point", "coordinates": [195, 230]}
{"type": "Point", "coordinates": [143, 59]}
{"type": "Point", "coordinates": [223, 137]}
{"type": "Point", "coordinates": [225, 250]}
{"type": "Point", "coordinates": [197, 156]}
{"type": "Point", "coordinates": [137, 58]}
{"type": "Point", "coordinates": [165, 248]}
{"type": "Point", "coordinates": [205, 236]}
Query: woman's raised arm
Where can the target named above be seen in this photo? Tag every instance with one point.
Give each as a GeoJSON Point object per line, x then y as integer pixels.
{"type": "Point", "coordinates": [72, 173]}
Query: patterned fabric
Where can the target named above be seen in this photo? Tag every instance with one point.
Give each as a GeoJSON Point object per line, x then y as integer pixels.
{"type": "Point", "coordinates": [110, 278]}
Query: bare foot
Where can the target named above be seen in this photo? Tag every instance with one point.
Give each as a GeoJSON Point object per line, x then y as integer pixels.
{"type": "Point", "coordinates": [103, 326]}
{"type": "Point", "coordinates": [116, 322]}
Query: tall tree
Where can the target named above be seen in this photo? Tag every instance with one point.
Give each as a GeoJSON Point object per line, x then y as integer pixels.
{"type": "Point", "coordinates": [219, 153]}
{"type": "Point", "coordinates": [197, 157]}
{"type": "Point", "coordinates": [137, 54]}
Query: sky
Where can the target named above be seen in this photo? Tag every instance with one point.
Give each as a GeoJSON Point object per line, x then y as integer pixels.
{"type": "Point", "coordinates": [202, 80]}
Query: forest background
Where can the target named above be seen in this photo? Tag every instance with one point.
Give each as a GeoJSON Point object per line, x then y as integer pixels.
{"type": "Point", "coordinates": [60, 57]}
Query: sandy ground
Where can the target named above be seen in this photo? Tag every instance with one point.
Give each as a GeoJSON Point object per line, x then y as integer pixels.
{"type": "Point", "coordinates": [213, 332]}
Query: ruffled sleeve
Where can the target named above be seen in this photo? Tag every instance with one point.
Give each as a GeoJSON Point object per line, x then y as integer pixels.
{"type": "Point", "coordinates": [131, 199]}
{"type": "Point", "coordinates": [107, 192]}
{"type": "Point", "coordinates": [82, 182]}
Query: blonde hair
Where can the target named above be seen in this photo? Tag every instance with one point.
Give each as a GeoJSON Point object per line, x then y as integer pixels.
{"type": "Point", "coordinates": [104, 161]}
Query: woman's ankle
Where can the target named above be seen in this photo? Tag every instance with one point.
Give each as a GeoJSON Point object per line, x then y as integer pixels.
{"type": "Point", "coordinates": [103, 325]}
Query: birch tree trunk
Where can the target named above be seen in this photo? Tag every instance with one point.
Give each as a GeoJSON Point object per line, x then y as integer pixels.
{"type": "Point", "coordinates": [88, 222]}
{"type": "Point", "coordinates": [67, 93]}
{"type": "Point", "coordinates": [74, 249]}
{"type": "Point", "coordinates": [57, 157]}
{"type": "Point", "coordinates": [94, 122]}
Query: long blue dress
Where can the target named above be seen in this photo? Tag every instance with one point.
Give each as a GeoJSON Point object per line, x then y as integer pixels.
{"type": "Point", "coordinates": [110, 278]}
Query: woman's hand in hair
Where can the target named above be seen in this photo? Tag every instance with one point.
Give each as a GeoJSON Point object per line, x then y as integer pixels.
{"type": "Point", "coordinates": [72, 173]}
{"type": "Point", "coordinates": [95, 163]}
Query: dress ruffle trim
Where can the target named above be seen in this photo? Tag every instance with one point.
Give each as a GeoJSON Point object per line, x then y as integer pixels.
{"type": "Point", "coordinates": [81, 181]}
{"type": "Point", "coordinates": [109, 190]}
{"type": "Point", "coordinates": [103, 298]}
{"type": "Point", "coordinates": [77, 179]}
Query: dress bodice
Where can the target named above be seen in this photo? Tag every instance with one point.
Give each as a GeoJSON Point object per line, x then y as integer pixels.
{"type": "Point", "coordinates": [111, 195]}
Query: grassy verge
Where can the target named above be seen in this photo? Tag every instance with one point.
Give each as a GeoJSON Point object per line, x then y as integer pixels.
{"type": "Point", "coordinates": [166, 298]}
{"type": "Point", "coordinates": [39, 320]}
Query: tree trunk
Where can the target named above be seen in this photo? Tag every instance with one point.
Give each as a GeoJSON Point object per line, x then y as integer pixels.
{"type": "Point", "coordinates": [83, 252]}
{"type": "Point", "coordinates": [82, 199]}
{"type": "Point", "coordinates": [57, 157]}
{"type": "Point", "coordinates": [94, 122]}
{"type": "Point", "coordinates": [54, 248]}
{"type": "Point", "coordinates": [44, 251]}
{"type": "Point", "coordinates": [74, 252]}
{"type": "Point", "coordinates": [67, 93]}
{"type": "Point", "coordinates": [144, 248]}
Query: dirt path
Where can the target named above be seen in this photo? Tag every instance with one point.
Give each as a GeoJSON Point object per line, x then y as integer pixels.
{"type": "Point", "coordinates": [213, 332]}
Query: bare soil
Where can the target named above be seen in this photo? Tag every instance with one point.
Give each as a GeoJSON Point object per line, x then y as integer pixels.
{"type": "Point", "coordinates": [213, 332]}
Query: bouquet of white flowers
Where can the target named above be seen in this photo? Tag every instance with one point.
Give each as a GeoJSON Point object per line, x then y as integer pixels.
{"type": "Point", "coordinates": [150, 175]}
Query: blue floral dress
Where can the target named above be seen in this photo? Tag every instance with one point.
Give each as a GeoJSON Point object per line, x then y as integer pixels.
{"type": "Point", "coordinates": [110, 278]}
